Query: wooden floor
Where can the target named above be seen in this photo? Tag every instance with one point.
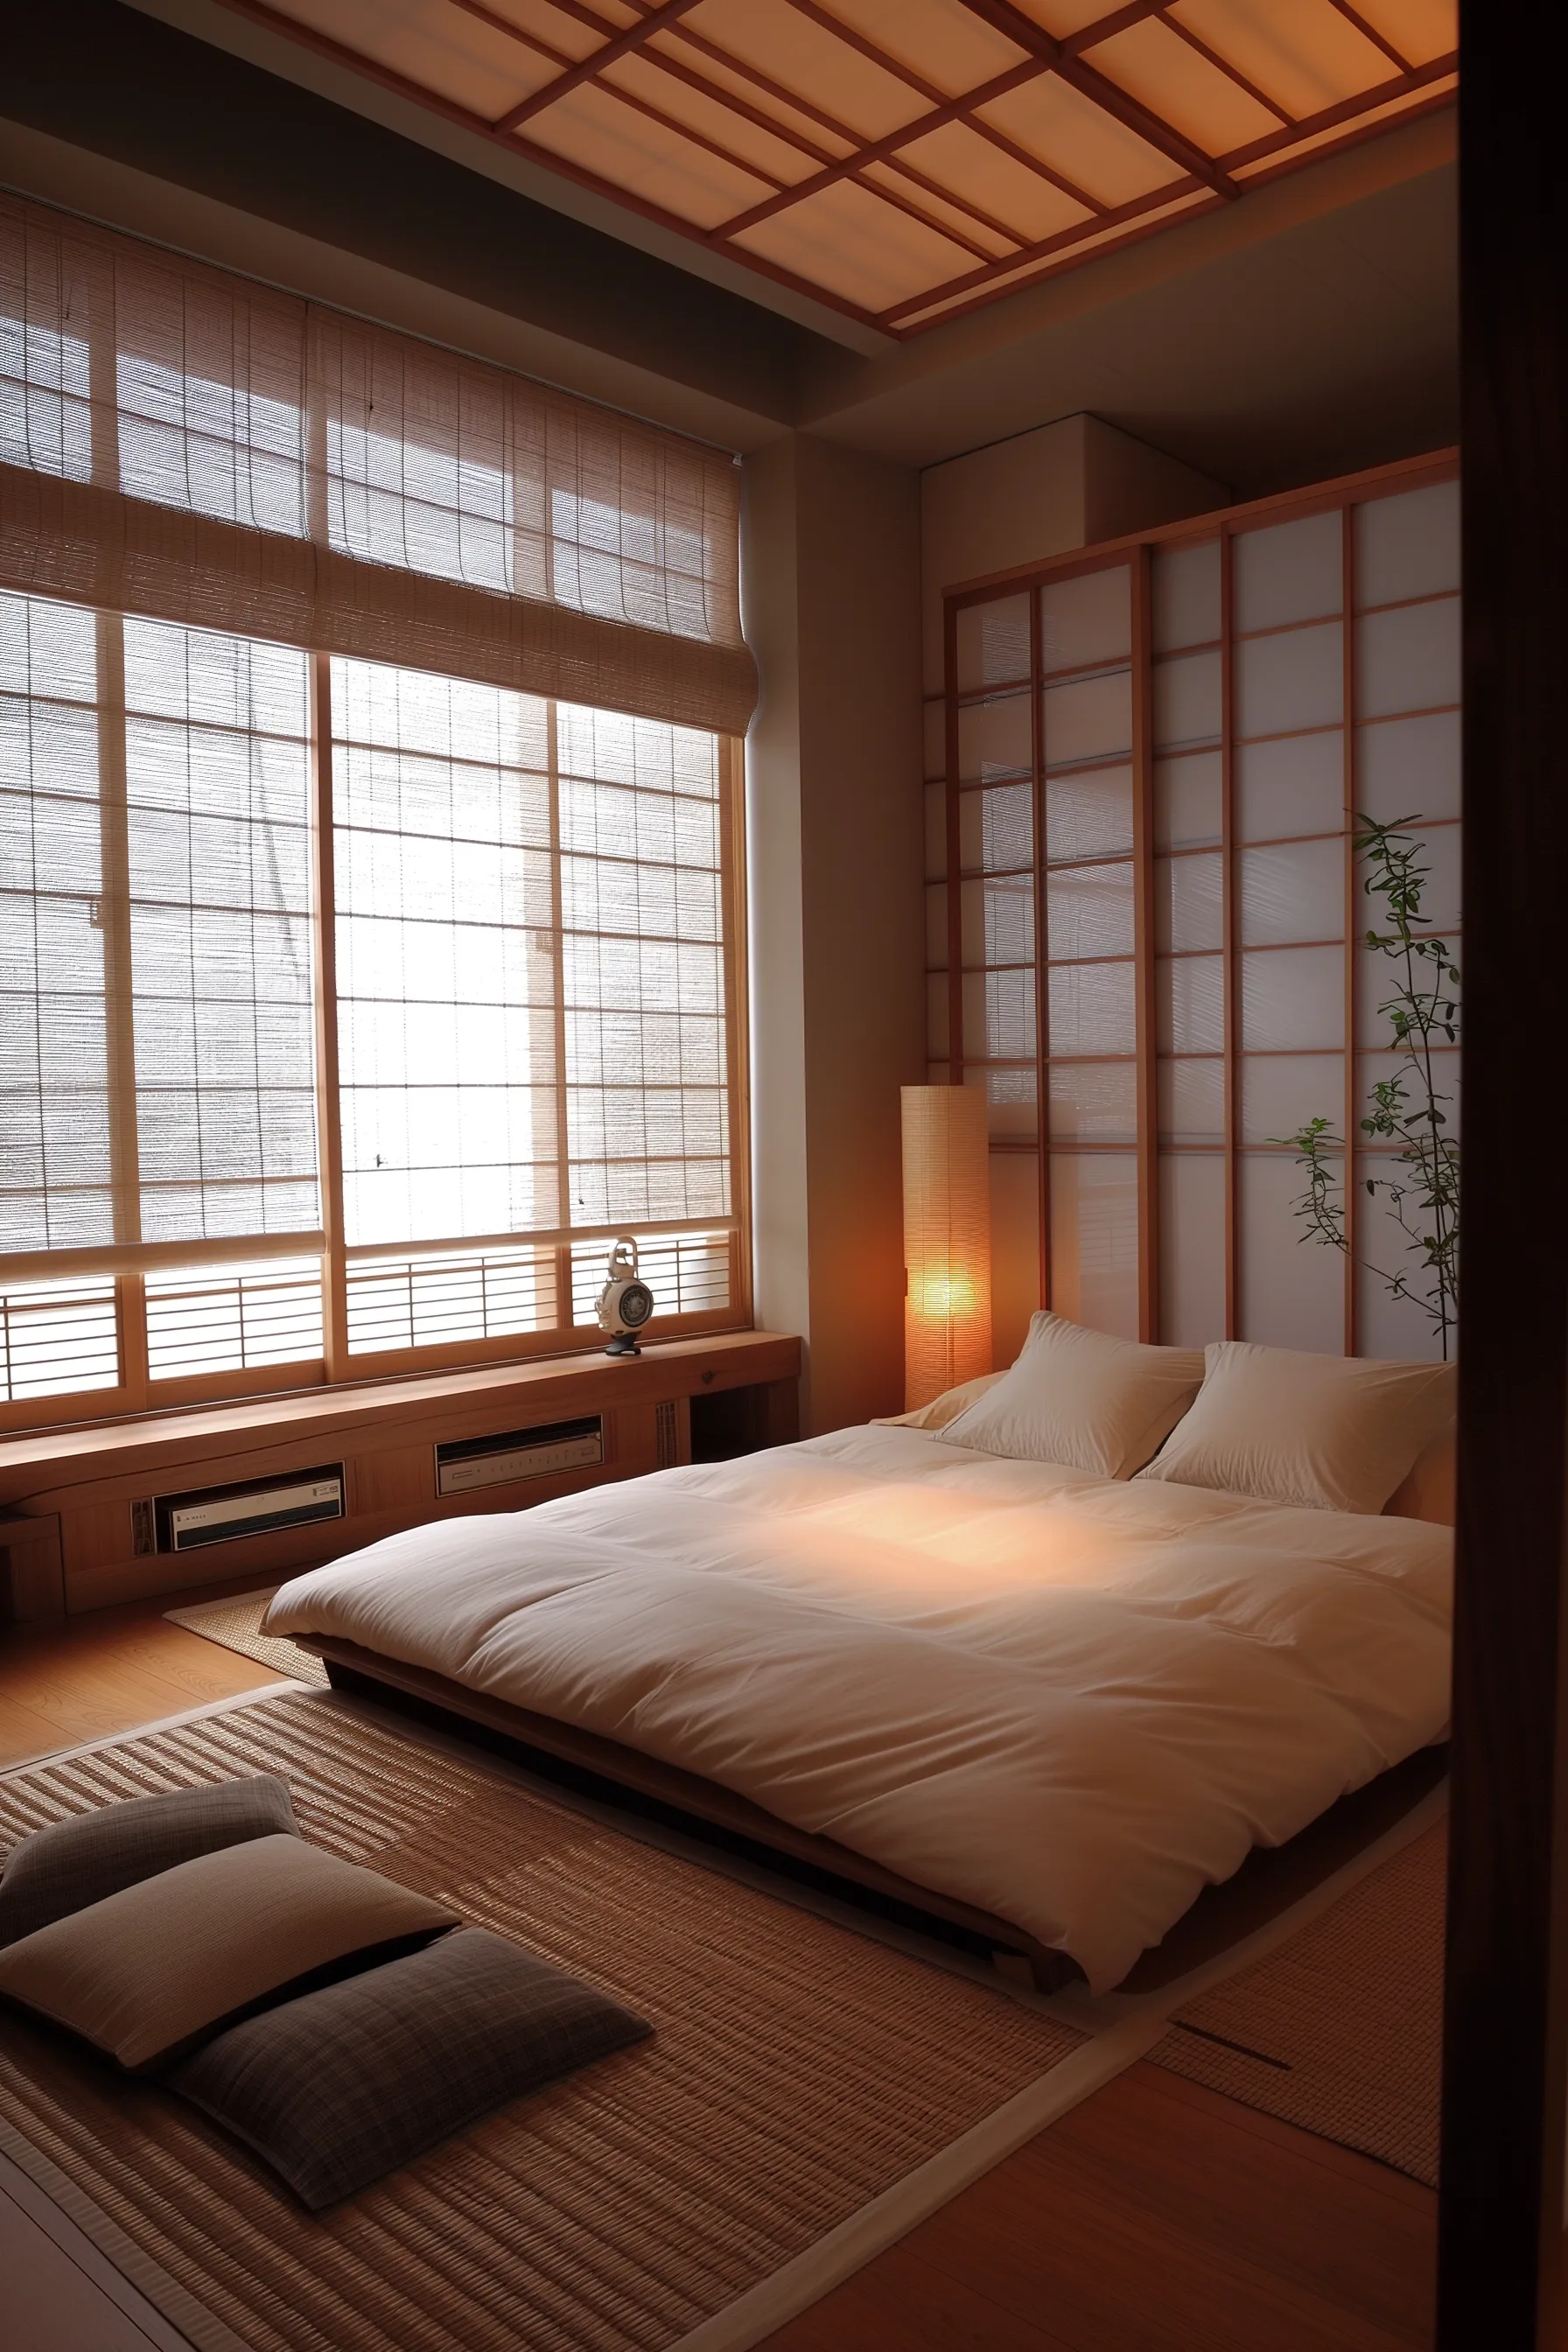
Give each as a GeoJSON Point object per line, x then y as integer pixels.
{"type": "Point", "coordinates": [79, 1678]}
{"type": "Point", "coordinates": [1154, 2218]}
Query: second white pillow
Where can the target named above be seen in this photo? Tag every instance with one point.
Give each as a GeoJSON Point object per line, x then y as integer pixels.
{"type": "Point", "coordinates": [1322, 1433]}
{"type": "Point", "coordinates": [1083, 1399]}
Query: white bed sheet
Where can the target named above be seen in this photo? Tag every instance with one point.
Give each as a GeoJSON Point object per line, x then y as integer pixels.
{"type": "Point", "coordinates": [1068, 1701]}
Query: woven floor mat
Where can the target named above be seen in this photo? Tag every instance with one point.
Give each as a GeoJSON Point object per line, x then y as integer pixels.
{"type": "Point", "coordinates": [800, 2070]}
{"type": "Point", "coordinates": [1339, 2030]}
{"type": "Point", "coordinates": [236, 1624]}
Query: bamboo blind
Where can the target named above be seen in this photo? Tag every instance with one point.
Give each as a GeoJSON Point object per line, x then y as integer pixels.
{"type": "Point", "coordinates": [181, 443]}
{"type": "Point", "coordinates": [368, 829]}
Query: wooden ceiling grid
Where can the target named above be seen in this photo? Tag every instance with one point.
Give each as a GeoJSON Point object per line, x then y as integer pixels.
{"type": "Point", "coordinates": [902, 161]}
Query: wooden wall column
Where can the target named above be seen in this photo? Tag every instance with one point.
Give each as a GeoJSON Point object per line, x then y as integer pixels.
{"type": "Point", "coordinates": [1501, 2221]}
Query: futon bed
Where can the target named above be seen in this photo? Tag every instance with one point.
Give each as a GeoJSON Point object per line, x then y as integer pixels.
{"type": "Point", "coordinates": [1054, 1702]}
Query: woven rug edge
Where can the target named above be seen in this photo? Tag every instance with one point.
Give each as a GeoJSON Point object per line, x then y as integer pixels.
{"type": "Point", "coordinates": [204, 2330]}
{"type": "Point", "coordinates": [839, 2252]}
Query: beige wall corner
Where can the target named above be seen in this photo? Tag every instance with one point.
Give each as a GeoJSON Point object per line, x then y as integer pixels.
{"type": "Point", "coordinates": [1129, 485]}
{"type": "Point", "coordinates": [831, 568]}
{"type": "Point", "coordinates": [1013, 502]}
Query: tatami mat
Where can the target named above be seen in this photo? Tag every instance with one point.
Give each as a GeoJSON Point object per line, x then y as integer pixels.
{"type": "Point", "coordinates": [1339, 2029]}
{"type": "Point", "coordinates": [801, 2072]}
{"type": "Point", "coordinates": [236, 1624]}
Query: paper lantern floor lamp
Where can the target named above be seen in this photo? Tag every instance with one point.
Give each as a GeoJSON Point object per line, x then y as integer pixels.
{"type": "Point", "coordinates": [947, 1240]}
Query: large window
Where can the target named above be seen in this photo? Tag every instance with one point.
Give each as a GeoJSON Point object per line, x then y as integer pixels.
{"type": "Point", "coordinates": [348, 1011]}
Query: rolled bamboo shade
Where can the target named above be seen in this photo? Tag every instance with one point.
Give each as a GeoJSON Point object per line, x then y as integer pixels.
{"type": "Point", "coordinates": [182, 445]}
{"type": "Point", "coordinates": [947, 1240]}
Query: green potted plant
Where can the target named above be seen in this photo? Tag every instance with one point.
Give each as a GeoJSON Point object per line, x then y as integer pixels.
{"type": "Point", "coordinates": [1406, 1109]}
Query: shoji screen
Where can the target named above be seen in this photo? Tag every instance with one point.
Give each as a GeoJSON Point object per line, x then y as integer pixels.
{"type": "Point", "coordinates": [1153, 960]}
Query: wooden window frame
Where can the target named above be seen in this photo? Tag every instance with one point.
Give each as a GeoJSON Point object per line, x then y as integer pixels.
{"type": "Point", "coordinates": [1134, 553]}
{"type": "Point", "coordinates": [128, 1259]}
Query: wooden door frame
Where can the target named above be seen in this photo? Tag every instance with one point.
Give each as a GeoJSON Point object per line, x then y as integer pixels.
{"type": "Point", "coordinates": [1501, 2210]}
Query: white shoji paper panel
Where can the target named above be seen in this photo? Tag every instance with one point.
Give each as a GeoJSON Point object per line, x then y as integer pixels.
{"type": "Point", "coordinates": [1011, 1096]}
{"type": "Point", "coordinates": [1091, 1008]}
{"type": "Point", "coordinates": [1184, 595]}
{"type": "Point", "coordinates": [1292, 1292]}
{"type": "Point", "coordinates": [1089, 911]}
{"type": "Point", "coordinates": [1094, 1239]}
{"type": "Point", "coordinates": [1188, 910]}
{"type": "Point", "coordinates": [1405, 766]}
{"type": "Point", "coordinates": [1293, 680]}
{"type": "Point", "coordinates": [1090, 814]}
{"type": "Point", "coordinates": [1188, 702]}
{"type": "Point", "coordinates": [1292, 1000]}
{"type": "Point", "coordinates": [1087, 719]}
{"type": "Point", "coordinates": [994, 740]}
{"type": "Point", "coordinates": [1094, 1102]}
{"type": "Point", "coordinates": [1189, 793]}
{"type": "Point", "coordinates": [1407, 658]}
{"type": "Point", "coordinates": [993, 643]}
{"type": "Point", "coordinates": [1278, 1093]}
{"type": "Point", "coordinates": [1289, 571]}
{"type": "Point", "coordinates": [1189, 994]}
{"type": "Point", "coordinates": [1192, 1099]}
{"type": "Point", "coordinates": [1290, 894]}
{"type": "Point", "coordinates": [1087, 620]}
{"type": "Point", "coordinates": [1291, 787]}
{"type": "Point", "coordinates": [1192, 1249]}
{"type": "Point", "coordinates": [1408, 545]}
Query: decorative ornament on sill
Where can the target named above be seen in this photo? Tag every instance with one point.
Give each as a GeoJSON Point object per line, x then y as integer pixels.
{"type": "Point", "coordinates": [626, 1302]}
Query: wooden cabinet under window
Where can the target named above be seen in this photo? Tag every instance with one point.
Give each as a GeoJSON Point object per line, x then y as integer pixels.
{"type": "Point", "coordinates": [169, 1501]}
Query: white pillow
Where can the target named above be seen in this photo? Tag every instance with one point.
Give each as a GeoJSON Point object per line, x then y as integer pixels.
{"type": "Point", "coordinates": [1082, 1399]}
{"type": "Point", "coordinates": [1427, 1492]}
{"type": "Point", "coordinates": [1329, 1433]}
{"type": "Point", "coordinates": [941, 1409]}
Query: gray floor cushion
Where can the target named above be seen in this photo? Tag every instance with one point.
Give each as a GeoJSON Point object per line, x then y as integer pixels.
{"type": "Point", "coordinates": [344, 2085]}
{"type": "Point", "coordinates": [144, 1973]}
{"type": "Point", "coordinates": [71, 1863]}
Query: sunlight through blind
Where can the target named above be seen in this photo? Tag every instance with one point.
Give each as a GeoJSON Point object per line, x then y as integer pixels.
{"type": "Point", "coordinates": [446, 969]}
{"type": "Point", "coordinates": [233, 1319]}
{"type": "Point", "coordinates": [56, 1179]}
{"type": "Point", "coordinates": [447, 1297]}
{"type": "Point", "coordinates": [360, 492]}
{"type": "Point", "coordinates": [58, 1338]}
{"type": "Point", "coordinates": [643, 970]}
{"type": "Point", "coordinates": [217, 780]}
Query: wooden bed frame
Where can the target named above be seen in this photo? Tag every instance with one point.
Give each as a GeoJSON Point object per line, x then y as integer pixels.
{"type": "Point", "coordinates": [698, 1804]}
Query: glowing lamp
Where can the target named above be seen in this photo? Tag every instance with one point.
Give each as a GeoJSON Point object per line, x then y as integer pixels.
{"type": "Point", "coordinates": [947, 1240]}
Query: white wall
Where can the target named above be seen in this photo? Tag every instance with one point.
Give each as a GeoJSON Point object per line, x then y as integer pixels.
{"type": "Point", "coordinates": [831, 587]}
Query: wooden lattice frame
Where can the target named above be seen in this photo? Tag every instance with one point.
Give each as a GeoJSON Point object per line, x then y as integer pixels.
{"type": "Point", "coordinates": [1134, 553]}
{"type": "Point", "coordinates": [833, 150]}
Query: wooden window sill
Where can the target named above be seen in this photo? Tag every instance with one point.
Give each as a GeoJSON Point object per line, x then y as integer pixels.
{"type": "Point", "coordinates": [384, 1433]}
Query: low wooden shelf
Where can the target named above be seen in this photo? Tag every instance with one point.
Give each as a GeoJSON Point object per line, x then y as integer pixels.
{"type": "Point", "coordinates": [89, 1476]}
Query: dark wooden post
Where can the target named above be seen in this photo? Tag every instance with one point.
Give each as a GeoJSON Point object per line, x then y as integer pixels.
{"type": "Point", "coordinates": [1500, 2259]}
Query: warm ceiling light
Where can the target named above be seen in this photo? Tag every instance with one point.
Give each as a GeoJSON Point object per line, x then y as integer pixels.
{"type": "Point", "coordinates": [947, 1240]}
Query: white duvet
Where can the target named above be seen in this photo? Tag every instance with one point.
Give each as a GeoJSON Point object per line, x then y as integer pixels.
{"type": "Point", "coordinates": [1071, 1702]}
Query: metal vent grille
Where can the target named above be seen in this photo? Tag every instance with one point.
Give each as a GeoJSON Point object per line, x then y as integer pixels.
{"type": "Point", "coordinates": [233, 1319]}
{"type": "Point", "coordinates": [689, 1274]}
{"type": "Point", "coordinates": [58, 1338]}
{"type": "Point", "coordinates": [434, 1301]}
